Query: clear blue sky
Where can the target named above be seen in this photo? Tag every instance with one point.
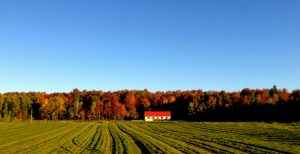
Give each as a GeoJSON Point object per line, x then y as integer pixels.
{"type": "Point", "coordinates": [57, 45]}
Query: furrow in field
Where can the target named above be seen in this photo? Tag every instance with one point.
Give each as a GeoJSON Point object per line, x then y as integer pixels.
{"type": "Point", "coordinates": [178, 144]}
{"type": "Point", "coordinates": [96, 140]}
{"type": "Point", "coordinates": [86, 140]}
{"type": "Point", "coordinates": [65, 145]}
{"type": "Point", "coordinates": [153, 137]}
{"type": "Point", "coordinates": [242, 140]}
{"type": "Point", "coordinates": [92, 139]}
{"type": "Point", "coordinates": [183, 137]}
{"type": "Point", "coordinates": [126, 141]}
{"type": "Point", "coordinates": [211, 147]}
{"type": "Point", "coordinates": [192, 138]}
{"type": "Point", "coordinates": [29, 142]}
{"type": "Point", "coordinates": [219, 139]}
{"type": "Point", "coordinates": [53, 144]}
{"type": "Point", "coordinates": [106, 146]}
{"type": "Point", "coordinates": [7, 126]}
{"type": "Point", "coordinates": [18, 141]}
{"type": "Point", "coordinates": [117, 143]}
{"type": "Point", "coordinates": [252, 148]}
{"type": "Point", "coordinates": [20, 134]}
{"type": "Point", "coordinates": [144, 145]}
{"type": "Point", "coordinates": [147, 140]}
{"type": "Point", "coordinates": [266, 132]}
{"type": "Point", "coordinates": [78, 143]}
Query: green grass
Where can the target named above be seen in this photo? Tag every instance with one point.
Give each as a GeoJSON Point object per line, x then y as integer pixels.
{"type": "Point", "coordinates": [148, 137]}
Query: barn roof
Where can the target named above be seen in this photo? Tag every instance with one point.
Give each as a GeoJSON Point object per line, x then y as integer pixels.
{"type": "Point", "coordinates": [157, 113]}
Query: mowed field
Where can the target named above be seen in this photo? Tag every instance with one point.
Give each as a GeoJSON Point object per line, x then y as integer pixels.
{"type": "Point", "coordinates": [148, 137]}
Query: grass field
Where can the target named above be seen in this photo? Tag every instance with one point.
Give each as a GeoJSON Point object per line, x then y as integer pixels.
{"type": "Point", "coordinates": [153, 137]}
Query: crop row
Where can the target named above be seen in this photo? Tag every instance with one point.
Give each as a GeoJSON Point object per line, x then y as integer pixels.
{"type": "Point", "coordinates": [143, 137]}
{"type": "Point", "coordinates": [227, 136]}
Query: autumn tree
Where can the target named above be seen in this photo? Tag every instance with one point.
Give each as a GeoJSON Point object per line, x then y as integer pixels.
{"type": "Point", "coordinates": [53, 107]}
{"type": "Point", "coordinates": [283, 96]}
{"type": "Point", "coordinates": [25, 106]}
{"type": "Point", "coordinates": [131, 102]}
{"type": "Point", "coordinates": [211, 102]}
{"type": "Point", "coordinates": [258, 104]}
{"type": "Point", "coordinates": [273, 91]}
{"type": "Point", "coordinates": [99, 108]}
{"type": "Point", "coordinates": [118, 110]}
{"type": "Point", "coordinates": [76, 106]}
{"type": "Point", "coordinates": [1, 105]}
{"type": "Point", "coordinates": [12, 106]}
{"type": "Point", "coordinates": [247, 96]}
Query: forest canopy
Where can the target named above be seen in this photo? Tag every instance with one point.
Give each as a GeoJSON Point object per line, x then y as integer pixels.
{"type": "Point", "coordinates": [245, 105]}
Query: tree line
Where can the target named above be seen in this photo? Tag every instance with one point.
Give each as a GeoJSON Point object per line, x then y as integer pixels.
{"type": "Point", "coordinates": [245, 105]}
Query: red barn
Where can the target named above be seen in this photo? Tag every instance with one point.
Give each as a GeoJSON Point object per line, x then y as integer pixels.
{"type": "Point", "coordinates": [157, 115]}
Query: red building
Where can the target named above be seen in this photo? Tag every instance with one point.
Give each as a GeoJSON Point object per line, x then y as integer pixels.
{"type": "Point", "coordinates": [157, 115]}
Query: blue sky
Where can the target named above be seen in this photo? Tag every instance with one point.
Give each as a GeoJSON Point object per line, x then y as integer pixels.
{"type": "Point", "coordinates": [57, 45]}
